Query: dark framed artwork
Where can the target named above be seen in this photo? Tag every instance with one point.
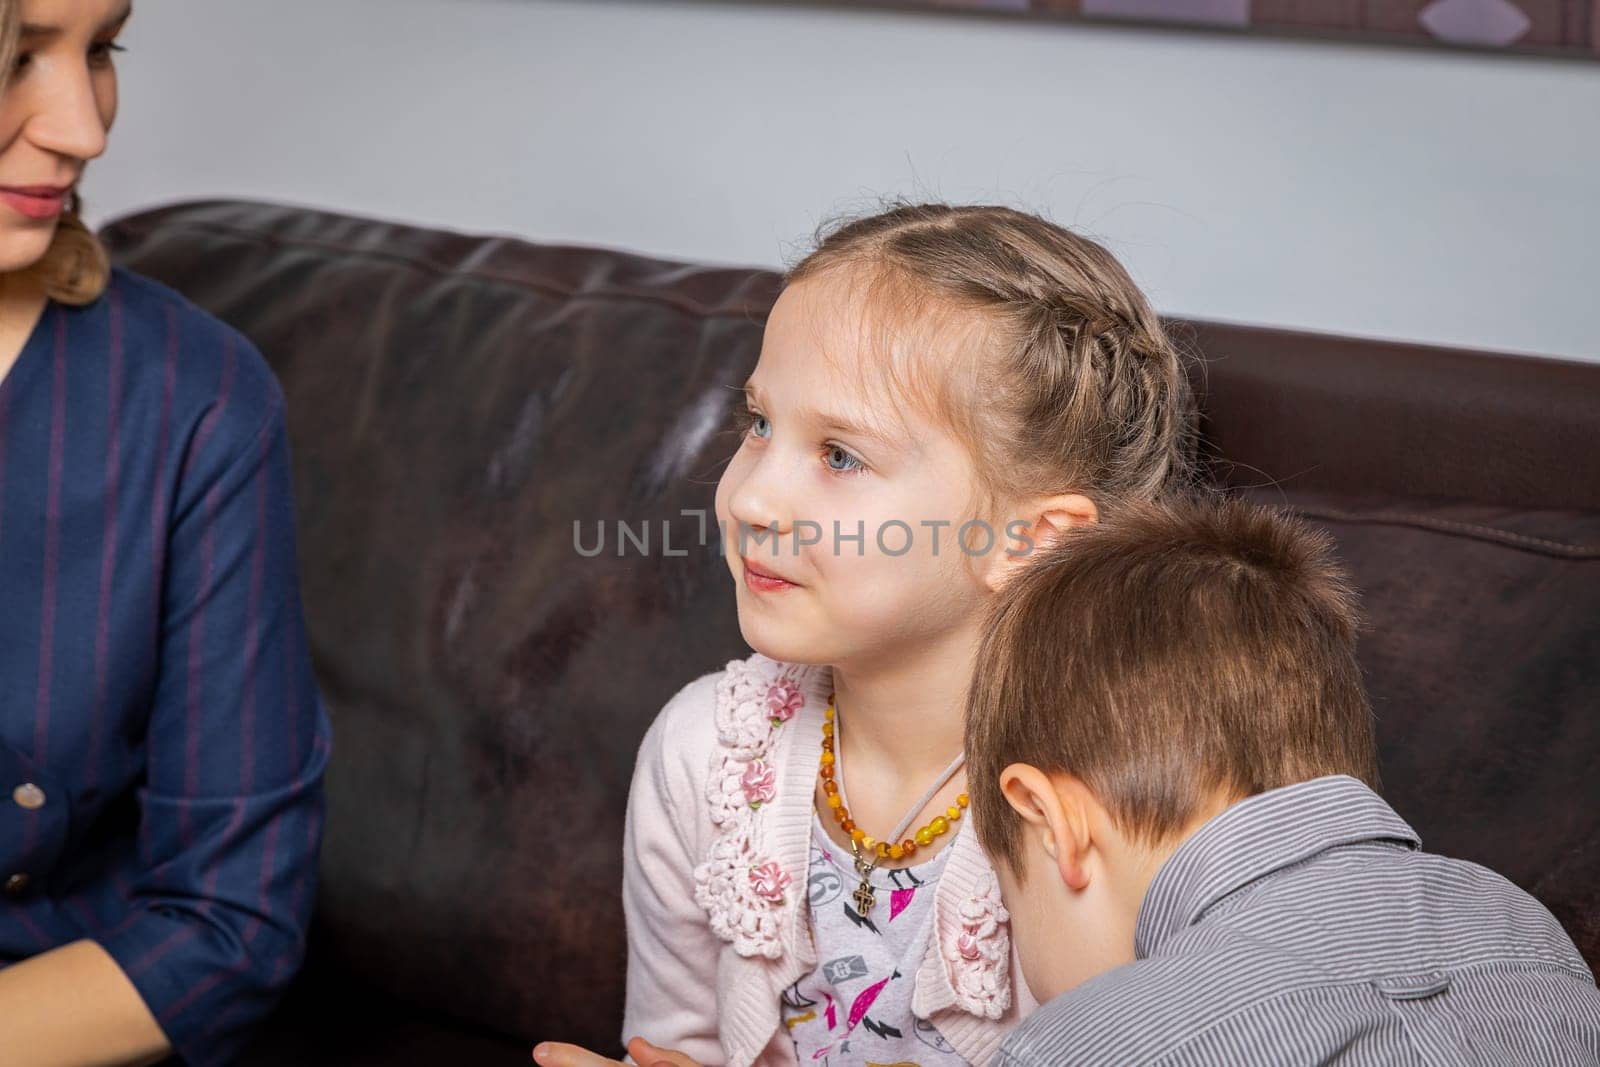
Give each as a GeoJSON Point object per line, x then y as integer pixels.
{"type": "Point", "coordinates": [1561, 27]}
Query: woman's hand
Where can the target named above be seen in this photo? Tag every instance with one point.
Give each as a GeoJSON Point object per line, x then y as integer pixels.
{"type": "Point", "coordinates": [554, 1054]}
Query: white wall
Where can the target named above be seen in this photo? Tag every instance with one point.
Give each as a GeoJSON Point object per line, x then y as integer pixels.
{"type": "Point", "coordinates": [1408, 193]}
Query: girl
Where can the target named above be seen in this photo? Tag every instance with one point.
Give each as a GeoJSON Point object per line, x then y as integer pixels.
{"type": "Point", "coordinates": [161, 738]}
{"type": "Point", "coordinates": [939, 390]}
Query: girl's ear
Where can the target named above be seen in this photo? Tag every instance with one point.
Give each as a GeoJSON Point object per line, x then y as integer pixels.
{"type": "Point", "coordinates": [1043, 522]}
{"type": "Point", "coordinates": [1055, 816]}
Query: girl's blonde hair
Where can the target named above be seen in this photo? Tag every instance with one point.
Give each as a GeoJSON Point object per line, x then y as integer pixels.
{"type": "Point", "coordinates": [1072, 384]}
{"type": "Point", "coordinates": [75, 268]}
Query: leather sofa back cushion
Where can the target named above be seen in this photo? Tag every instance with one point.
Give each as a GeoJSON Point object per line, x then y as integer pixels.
{"type": "Point", "coordinates": [1482, 660]}
{"type": "Point", "coordinates": [456, 403]}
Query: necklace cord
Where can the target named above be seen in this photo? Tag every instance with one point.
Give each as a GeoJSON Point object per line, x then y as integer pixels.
{"type": "Point", "coordinates": [910, 816]}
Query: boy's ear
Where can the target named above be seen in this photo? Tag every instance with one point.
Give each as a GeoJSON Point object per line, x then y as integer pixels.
{"type": "Point", "coordinates": [1044, 520]}
{"type": "Point", "coordinates": [1055, 814]}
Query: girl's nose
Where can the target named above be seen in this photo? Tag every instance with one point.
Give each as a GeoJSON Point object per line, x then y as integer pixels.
{"type": "Point", "coordinates": [757, 503]}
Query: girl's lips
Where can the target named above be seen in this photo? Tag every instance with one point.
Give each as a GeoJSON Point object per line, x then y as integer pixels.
{"type": "Point", "coordinates": [763, 581]}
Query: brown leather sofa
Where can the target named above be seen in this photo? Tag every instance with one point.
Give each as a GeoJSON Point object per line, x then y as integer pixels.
{"type": "Point", "coordinates": [456, 403]}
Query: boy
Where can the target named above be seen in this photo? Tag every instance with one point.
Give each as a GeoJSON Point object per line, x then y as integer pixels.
{"type": "Point", "coordinates": [1171, 760]}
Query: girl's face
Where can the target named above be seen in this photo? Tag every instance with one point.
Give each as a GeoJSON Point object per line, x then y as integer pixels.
{"type": "Point", "coordinates": [55, 112]}
{"type": "Point", "coordinates": [822, 453]}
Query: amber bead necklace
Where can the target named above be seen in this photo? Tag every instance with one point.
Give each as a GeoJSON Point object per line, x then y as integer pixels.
{"type": "Point", "coordinates": [868, 851]}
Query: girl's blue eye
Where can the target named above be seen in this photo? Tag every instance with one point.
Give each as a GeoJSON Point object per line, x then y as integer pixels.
{"type": "Point", "coordinates": [757, 425]}
{"type": "Point", "coordinates": [841, 462]}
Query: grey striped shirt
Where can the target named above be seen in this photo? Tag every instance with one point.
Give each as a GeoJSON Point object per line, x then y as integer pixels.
{"type": "Point", "coordinates": [1305, 926]}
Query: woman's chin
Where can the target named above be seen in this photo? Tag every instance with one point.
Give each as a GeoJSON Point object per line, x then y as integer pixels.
{"type": "Point", "coordinates": [22, 249]}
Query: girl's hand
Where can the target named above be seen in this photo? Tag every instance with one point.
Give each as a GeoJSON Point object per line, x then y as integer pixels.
{"type": "Point", "coordinates": [554, 1054]}
{"type": "Point", "coordinates": [647, 1055]}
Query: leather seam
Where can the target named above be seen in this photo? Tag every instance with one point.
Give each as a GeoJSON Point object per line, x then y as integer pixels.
{"type": "Point", "coordinates": [1473, 530]}
{"type": "Point", "coordinates": [542, 285]}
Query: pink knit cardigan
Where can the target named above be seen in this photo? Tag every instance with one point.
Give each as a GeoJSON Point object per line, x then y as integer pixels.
{"type": "Point", "coordinates": [714, 876]}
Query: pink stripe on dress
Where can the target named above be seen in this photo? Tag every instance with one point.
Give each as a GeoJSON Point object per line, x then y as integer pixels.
{"type": "Point", "coordinates": [253, 927]}
{"type": "Point", "coordinates": [52, 547]}
{"type": "Point", "coordinates": [154, 956]}
{"type": "Point", "coordinates": [252, 647]}
{"type": "Point", "coordinates": [208, 548]}
{"type": "Point", "coordinates": [51, 563]}
{"type": "Point", "coordinates": [158, 503]}
{"type": "Point", "coordinates": [108, 539]}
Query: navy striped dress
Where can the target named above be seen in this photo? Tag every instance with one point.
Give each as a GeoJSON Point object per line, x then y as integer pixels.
{"type": "Point", "coordinates": [162, 741]}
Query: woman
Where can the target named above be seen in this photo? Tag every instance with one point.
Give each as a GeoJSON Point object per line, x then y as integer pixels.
{"type": "Point", "coordinates": [161, 738]}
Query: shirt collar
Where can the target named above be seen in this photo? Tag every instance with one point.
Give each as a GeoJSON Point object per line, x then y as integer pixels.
{"type": "Point", "coordinates": [1254, 837]}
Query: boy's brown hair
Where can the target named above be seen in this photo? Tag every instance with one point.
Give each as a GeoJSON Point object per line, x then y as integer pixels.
{"type": "Point", "coordinates": [1171, 651]}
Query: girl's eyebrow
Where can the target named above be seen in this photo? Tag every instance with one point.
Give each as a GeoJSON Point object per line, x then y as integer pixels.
{"type": "Point", "coordinates": [825, 420]}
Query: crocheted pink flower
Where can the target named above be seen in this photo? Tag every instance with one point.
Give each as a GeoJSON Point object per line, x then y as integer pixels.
{"type": "Point", "coordinates": [759, 783]}
{"type": "Point", "coordinates": [770, 881]}
{"type": "Point", "coordinates": [978, 955]}
{"type": "Point", "coordinates": [783, 700]}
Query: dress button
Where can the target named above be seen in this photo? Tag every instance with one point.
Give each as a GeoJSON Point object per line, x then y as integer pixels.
{"type": "Point", "coordinates": [16, 884]}
{"type": "Point", "coordinates": [27, 795]}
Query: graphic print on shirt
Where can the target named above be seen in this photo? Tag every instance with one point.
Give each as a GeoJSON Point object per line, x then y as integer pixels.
{"type": "Point", "coordinates": [900, 899]}
{"type": "Point", "coordinates": [824, 885]}
{"type": "Point", "coordinates": [845, 968]}
{"type": "Point", "coordinates": [929, 1035]}
{"type": "Point", "coordinates": [854, 1008]}
{"type": "Point", "coordinates": [858, 919]}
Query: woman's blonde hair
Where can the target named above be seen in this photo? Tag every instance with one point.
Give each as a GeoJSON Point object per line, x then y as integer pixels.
{"type": "Point", "coordinates": [1058, 375]}
{"type": "Point", "coordinates": [75, 268]}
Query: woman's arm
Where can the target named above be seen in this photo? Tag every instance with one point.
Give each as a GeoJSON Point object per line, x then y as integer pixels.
{"type": "Point", "coordinates": [231, 808]}
{"type": "Point", "coordinates": [73, 1007]}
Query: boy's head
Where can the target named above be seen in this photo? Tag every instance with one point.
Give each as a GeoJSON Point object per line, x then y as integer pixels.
{"type": "Point", "coordinates": [1135, 680]}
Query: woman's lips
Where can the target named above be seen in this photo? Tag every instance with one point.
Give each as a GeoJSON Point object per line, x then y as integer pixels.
{"type": "Point", "coordinates": [760, 580]}
{"type": "Point", "coordinates": [35, 202]}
